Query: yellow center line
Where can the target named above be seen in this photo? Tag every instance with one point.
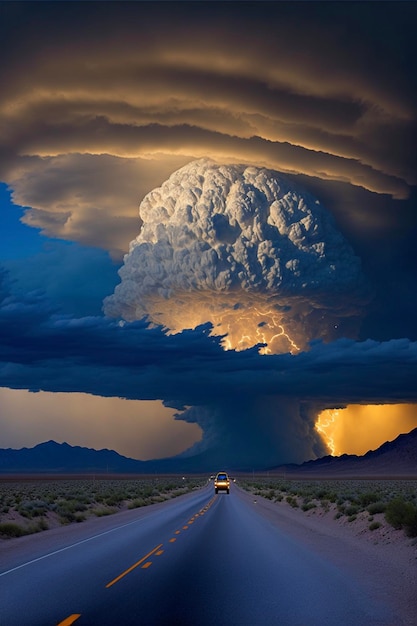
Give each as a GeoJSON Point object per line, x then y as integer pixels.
{"type": "Point", "coordinates": [70, 620]}
{"type": "Point", "coordinates": [156, 551]}
{"type": "Point", "coordinates": [115, 580]}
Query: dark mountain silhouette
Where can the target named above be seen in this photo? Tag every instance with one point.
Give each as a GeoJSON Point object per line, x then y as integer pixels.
{"type": "Point", "coordinates": [61, 458]}
{"type": "Point", "coordinates": [394, 458]}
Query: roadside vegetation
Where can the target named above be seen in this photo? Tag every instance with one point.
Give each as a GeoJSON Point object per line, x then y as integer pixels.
{"type": "Point", "coordinates": [31, 506]}
{"type": "Point", "coordinates": [379, 502]}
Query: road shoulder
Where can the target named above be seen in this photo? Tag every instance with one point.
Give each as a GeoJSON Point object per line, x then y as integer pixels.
{"type": "Point", "coordinates": [388, 569]}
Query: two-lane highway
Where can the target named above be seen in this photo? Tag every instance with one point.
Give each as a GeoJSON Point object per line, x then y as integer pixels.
{"type": "Point", "coordinates": [199, 560]}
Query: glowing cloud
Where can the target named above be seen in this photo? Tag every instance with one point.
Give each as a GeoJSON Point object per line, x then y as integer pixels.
{"type": "Point", "coordinates": [355, 429]}
{"type": "Point", "coordinates": [240, 247]}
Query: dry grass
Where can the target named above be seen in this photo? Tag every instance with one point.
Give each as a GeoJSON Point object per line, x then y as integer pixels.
{"type": "Point", "coordinates": [29, 505]}
{"type": "Point", "coordinates": [372, 507]}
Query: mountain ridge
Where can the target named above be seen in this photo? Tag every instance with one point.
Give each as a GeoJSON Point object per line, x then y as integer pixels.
{"type": "Point", "coordinates": [393, 458]}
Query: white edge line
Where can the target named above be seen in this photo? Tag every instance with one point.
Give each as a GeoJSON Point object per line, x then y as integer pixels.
{"type": "Point", "coordinates": [73, 545]}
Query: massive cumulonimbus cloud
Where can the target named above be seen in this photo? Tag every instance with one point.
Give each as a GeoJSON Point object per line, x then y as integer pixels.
{"type": "Point", "coordinates": [301, 96]}
{"type": "Point", "coordinates": [255, 410]}
{"type": "Point", "coordinates": [243, 248]}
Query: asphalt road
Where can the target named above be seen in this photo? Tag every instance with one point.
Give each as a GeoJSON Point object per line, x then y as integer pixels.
{"type": "Point", "coordinates": [198, 560]}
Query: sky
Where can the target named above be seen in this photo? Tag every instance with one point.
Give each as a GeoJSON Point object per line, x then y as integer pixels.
{"type": "Point", "coordinates": [101, 104]}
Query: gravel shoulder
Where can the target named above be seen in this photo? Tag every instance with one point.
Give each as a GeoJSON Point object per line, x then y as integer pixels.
{"type": "Point", "coordinates": [384, 560]}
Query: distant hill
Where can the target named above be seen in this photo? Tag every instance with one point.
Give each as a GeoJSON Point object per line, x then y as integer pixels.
{"type": "Point", "coordinates": [61, 458]}
{"type": "Point", "coordinates": [393, 458]}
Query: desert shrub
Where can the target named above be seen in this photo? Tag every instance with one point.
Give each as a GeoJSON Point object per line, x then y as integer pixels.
{"type": "Point", "coordinates": [27, 508]}
{"type": "Point", "coordinates": [43, 524]}
{"type": "Point", "coordinates": [136, 503]}
{"type": "Point", "coordinates": [292, 501]}
{"type": "Point", "coordinates": [69, 511]}
{"type": "Point", "coordinates": [156, 499]}
{"type": "Point", "coordinates": [402, 514]}
{"type": "Point", "coordinates": [67, 518]}
{"type": "Point", "coordinates": [341, 509]}
{"type": "Point", "coordinates": [307, 506]}
{"type": "Point", "coordinates": [101, 512]}
{"type": "Point", "coordinates": [368, 498]}
{"type": "Point", "coordinates": [8, 529]}
{"type": "Point", "coordinates": [114, 500]}
{"type": "Point", "coordinates": [374, 525]}
{"type": "Point", "coordinates": [376, 507]}
{"type": "Point", "coordinates": [352, 510]}
{"type": "Point", "coordinates": [148, 492]}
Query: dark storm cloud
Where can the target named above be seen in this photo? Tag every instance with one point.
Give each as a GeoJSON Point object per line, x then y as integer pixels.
{"type": "Point", "coordinates": [75, 278]}
{"type": "Point", "coordinates": [254, 410]}
{"type": "Point", "coordinates": [42, 350]}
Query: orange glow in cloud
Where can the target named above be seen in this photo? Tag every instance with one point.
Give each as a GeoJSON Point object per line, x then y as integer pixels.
{"type": "Point", "coordinates": [255, 322]}
{"type": "Point", "coordinates": [359, 428]}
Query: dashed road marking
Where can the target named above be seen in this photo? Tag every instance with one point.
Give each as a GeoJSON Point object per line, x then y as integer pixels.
{"type": "Point", "coordinates": [132, 567]}
{"type": "Point", "coordinates": [70, 619]}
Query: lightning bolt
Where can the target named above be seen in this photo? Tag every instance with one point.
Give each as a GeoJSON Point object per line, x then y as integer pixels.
{"type": "Point", "coordinates": [326, 421]}
{"type": "Point", "coordinates": [266, 325]}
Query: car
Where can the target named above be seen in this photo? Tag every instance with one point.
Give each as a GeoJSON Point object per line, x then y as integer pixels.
{"type": "Point", "coordinates": [221, 482]}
